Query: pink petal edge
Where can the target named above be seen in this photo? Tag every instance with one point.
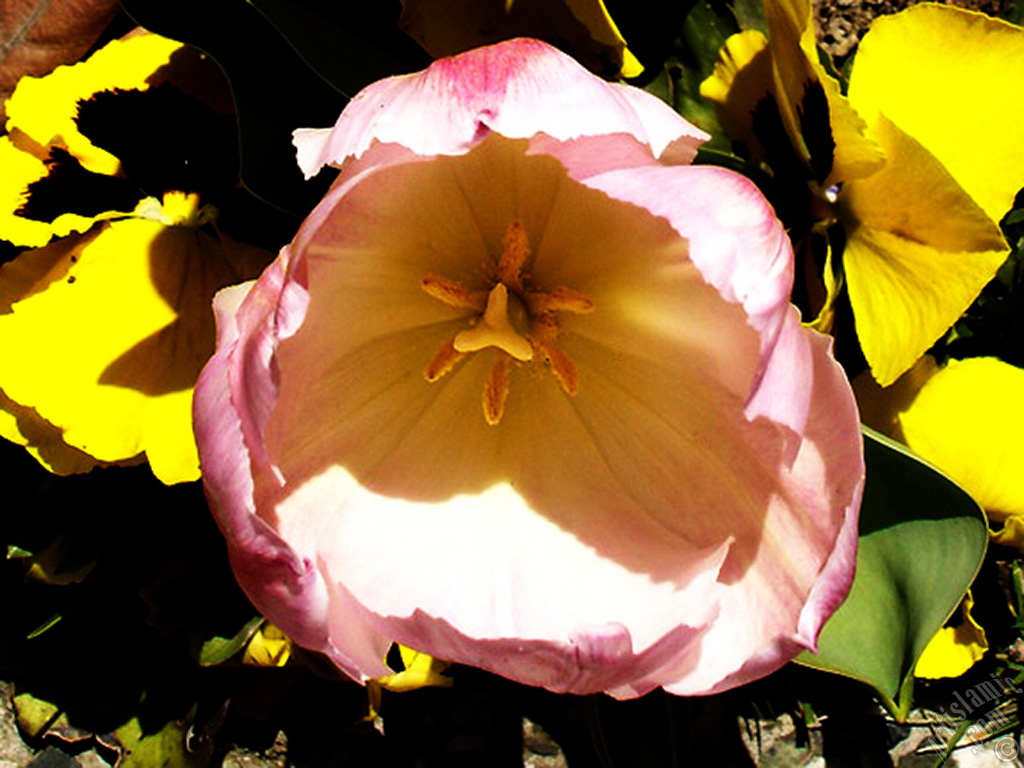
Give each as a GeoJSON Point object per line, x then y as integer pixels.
{"type": "Point", "coordinates": [517, 88]}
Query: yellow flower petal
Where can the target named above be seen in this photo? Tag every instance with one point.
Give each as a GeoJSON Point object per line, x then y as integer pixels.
{"type": "Point", "coordinates": [953, 650]}
{"type": "Point", "coordinates": [599, 23]}
{"type": "Point", "coordinates": [20, 170]}
{"type": "Point", "coordinates": [584, 27]}
{"type": "Point", "coordinates": [941, 73]}
{"type": "Point", "coordinates": [918, 252]}
{"type": "Point", "coordinates": [1012, 532]}
{"type": "Point", "coordinates": [421, 671]}
{"type": "Point", "coordinates": [269, 647]}
{"type": "Point", "coordinates": [23, 426]}
{"type": "Point", "coordinates": [44, 108]}
{"type": "Point", "coordinates": [741, 78]}
{"type": "Point", "coordinates": [797, 71]}
{"type": "Point", "coordinates": [826, 133]}
{"type": "Point", "coordinates": [967, 420]}
{"type": "Point", "coordinates": [106, 338]}
{"type": "Point", "coordinates": [880, 407]}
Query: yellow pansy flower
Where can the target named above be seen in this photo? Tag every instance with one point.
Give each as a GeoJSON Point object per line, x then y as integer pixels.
{"type": "Point", "coordinates": [42, 115]}
{"type": "Point", "coordinates": [105, 329]}
{"type": "Point", "coordinates": [926, 151]}
{"type": "Point", "coordinates": [268, 647]}
{"type": "Point", "coordinates": [421, 670]}
{"type": "Point", "coordinates": [965, 419]}
{"type": "Point", "coordinates": [955, 649]}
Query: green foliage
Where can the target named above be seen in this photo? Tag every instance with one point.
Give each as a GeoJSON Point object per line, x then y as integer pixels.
{"type": "Point", "coordinates": [692, 60]}
{"type": "Point", "coordinates": [218, 649]}
{"type": "Point", "coordinates": [922, 541]}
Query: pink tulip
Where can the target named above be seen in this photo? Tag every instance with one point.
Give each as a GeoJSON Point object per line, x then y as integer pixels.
{"type": "Point", "coordinates": [526, 392]}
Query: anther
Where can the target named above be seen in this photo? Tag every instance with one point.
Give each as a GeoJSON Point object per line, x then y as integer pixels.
{"type": "Point", "coordinates": [496, 389]}
{"type": "Point", "coordinates": [453, 293]}
{"type": "Point", "coordinates": [561, 299]}
{"type": "Point", "coordinates": [445, 359]}
{"type": "Point", "coordinates": [516, 249]}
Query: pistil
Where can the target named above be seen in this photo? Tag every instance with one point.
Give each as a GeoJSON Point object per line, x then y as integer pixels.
{"type": "Point", "coordinates": [495, 329]}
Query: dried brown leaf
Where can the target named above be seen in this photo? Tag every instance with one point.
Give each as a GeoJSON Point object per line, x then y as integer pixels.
{"type": "Point", "coordinates": [36, 36]}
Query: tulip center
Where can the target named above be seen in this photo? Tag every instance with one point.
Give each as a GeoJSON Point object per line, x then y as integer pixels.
{"type": "Point", "coordinates": [514, 317]}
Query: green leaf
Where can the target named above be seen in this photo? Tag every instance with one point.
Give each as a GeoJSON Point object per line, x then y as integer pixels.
{"type": "Point", "coordinates": [35, 716]}
{"type": "Point", "coordinates": [750, 15]}
{"type": "Point", "coordinates": [167, 748]}
{"type": "Point", "coordinates": [922, 540]}
{"type": "Point", "coordinates": [217, 650]}
{"type": "Point", "coordinates": [705, 30]}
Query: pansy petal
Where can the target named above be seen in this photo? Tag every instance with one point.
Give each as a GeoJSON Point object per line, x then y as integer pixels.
{"type": "Point", "coordinates": [20, 170]}
{"type": "Point", "coordinates": [967, 421]}
{"type": "Point", "coordinates": [913, 262]}
{"type": "Point", "coordinates": [44, 109]}
{"type": "Point", "coordinates": [421, 671]}
{"type": "Point", "coordinates": [904, 72]}
{"type": "Point", "coordinates": [954, 649]}
{"type": "Point", "coordinates": [518, 89]}
{"type": "Point", "coordinates": [742, 78]}
{"type": "Point", "coordinates": [584, 27]}
{"type": "Point", "coordinates": [756, 78]}
{"type": "Point", "coordinates": [23, 426]}
{"type": "Point", "coordinates": [121, 321]}
{"type": "Point", "coordinates": [1012, 532]}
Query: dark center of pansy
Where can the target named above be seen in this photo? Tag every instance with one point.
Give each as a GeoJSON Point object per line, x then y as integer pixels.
{"type": "Point", "coordinates": [514, 317]}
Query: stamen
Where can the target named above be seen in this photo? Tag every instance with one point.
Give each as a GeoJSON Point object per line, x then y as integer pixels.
{"type": "Point", "coordinates": [561, 365]}
{"type": "Point", "coordinates": [495, 329]}
{"type": "Point", "coordinates": [496, 389]}
{"type": "Point", "coordinates": [514, 317]}
{"type": "Point", "coordinates": [561, 299]}
{"type": "Point", "coordinates": [453, 293]}
{"type": "Point", "coordinates": [513, 257]}
{"type": "Point", "coordinates": [543, 331]}
{"type": "Point", "coordinates": [445, 359]}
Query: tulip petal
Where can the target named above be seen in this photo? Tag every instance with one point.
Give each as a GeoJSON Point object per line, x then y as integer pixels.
{"type": "Point", "coordinates": [966, 421]}
{"type": "Point", "coordinates": [412, 456]}
{"type": "Point", "coordinates": [120, 320]}
{"type": "Point", "coordinates": [667, 494]}
{"type": "Point", "coordinates": [280, 581]}
{"type": "Point", "coordinates": [913, 261]}
{"type": "Point", "coordinates": [722, 239]}
{"type": "Point", "coordinates": [518, 89]}
{"type": "Point", "coordinates": [904, 72]}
